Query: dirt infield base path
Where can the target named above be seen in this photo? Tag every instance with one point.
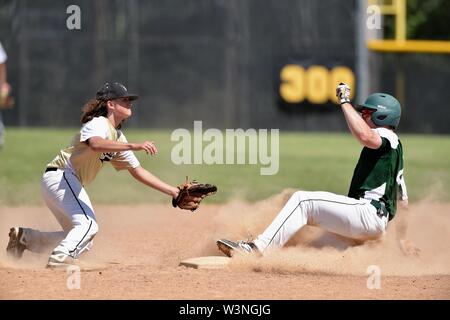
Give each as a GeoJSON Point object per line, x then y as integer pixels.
{"type": "Point", "coordinates": [138, 249]}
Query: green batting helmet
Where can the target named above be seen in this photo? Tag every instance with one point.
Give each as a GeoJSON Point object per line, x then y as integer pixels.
{"type": "Point", "coordinates": [387, 109]}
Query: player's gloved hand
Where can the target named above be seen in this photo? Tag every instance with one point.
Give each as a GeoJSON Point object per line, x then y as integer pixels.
{"type": "Point", "coordinates": [408, 248]}
{"type": "Point", "coordinates": [192, 193]}
{"type": "Point", "coordinates": [343, 93]}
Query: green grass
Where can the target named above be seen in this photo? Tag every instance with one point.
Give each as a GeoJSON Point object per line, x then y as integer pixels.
{"type": "Point", "coordinates": [307, 161]}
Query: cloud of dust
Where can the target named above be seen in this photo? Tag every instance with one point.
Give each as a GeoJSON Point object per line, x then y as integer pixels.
{"type": "Point", "coordinates": [316, 251]}
{"type": "Point", "coordinates": [113, 226]}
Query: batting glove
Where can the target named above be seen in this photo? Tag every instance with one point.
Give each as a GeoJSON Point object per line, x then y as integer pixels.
{"type": "Point", "coordinates": [343, 93]}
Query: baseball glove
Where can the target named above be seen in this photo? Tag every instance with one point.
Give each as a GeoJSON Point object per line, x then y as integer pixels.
{"type": "Point", "coordinates": [192, 193]}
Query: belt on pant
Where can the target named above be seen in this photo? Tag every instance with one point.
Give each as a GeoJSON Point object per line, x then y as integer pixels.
{"type": "Point", "coordinates": [381, 208]}
{"type": "Point", "coordinates": [54, 169]}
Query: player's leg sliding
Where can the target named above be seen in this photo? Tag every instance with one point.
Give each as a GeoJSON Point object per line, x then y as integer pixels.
{"type": "Point", "coordinates": [230, 247]}
{"type": "Point", "coordinates": [348, 217]}
{"type": "Point", "coordinates": [288, 221]}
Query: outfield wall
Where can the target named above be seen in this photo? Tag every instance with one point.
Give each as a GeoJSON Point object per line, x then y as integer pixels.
{"type": "Point", "coordinates": [213, 60]}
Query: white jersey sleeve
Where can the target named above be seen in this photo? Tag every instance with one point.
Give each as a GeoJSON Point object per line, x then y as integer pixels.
{"type": "Point", "coordinates": [402, 186]}
{"type": "Point", "coordinates": [97, 127]}
{"type": "Point", "coordinates": [3, 55]}
{"type": "Point", "coordinates": [124, 159]}
{"type": "Point", "coordinates": [389, 135]}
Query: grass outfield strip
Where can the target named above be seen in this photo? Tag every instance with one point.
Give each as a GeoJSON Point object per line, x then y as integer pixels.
{"type": "Point", "coordinates": [308, 161]}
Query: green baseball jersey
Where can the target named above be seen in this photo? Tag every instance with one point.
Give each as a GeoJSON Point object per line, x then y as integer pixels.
{"type": "Point", "coordinates": [379, 173]}
{"type": "Point", "coordinates": [84, 161]}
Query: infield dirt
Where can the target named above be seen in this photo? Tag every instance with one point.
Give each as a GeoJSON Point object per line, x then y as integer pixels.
{"type": "Point", "coordinates": [138, 249]}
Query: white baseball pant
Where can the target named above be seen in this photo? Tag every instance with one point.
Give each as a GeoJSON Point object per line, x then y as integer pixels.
{"type": "Point", "coordinates": [352, 218]}
{"type": "Point", "coordinates": [71, 206]}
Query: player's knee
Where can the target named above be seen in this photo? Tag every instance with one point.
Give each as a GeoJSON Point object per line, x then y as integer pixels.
{"type": "Point", "coordinates": [93, 229]}
{"type": "Point", "coordinates": [89, 227]}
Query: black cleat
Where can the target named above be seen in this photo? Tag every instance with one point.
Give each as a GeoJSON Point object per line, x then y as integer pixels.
{"type": "Point", "coordinates": [229, 247]}
{"type": "Point", "coordinates": [16, 245]}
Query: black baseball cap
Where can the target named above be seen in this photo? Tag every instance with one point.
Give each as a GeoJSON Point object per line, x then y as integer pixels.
{"type": "Point", "coordinates": [114, 90]}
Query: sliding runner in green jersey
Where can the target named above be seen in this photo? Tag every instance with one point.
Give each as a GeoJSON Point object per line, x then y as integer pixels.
{"type": "Point", "coordinates": [376, 185]}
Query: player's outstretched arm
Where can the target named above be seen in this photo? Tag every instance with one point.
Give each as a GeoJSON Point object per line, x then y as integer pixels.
{"type": "Point", "coordinates": [145, 177]}
{"type": "Point", "coordinates": [99, 144]}
{"type": "Point", "coordinates": [358, 127]}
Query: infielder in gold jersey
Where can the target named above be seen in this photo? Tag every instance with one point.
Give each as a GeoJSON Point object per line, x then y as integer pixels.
{"type": "Point", "coordinates": [100, 140]}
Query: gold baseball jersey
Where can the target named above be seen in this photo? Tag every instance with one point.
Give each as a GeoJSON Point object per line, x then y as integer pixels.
{"type": "Point", "coordinates": [84, 161]}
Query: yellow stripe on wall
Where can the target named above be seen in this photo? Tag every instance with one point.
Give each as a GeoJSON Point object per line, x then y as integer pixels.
{"type": "Point", "coordinates": [422, 46]}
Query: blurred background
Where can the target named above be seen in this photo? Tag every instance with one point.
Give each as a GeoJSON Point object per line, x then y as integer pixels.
{"type": "Point", "coordinates": [230, 63]}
